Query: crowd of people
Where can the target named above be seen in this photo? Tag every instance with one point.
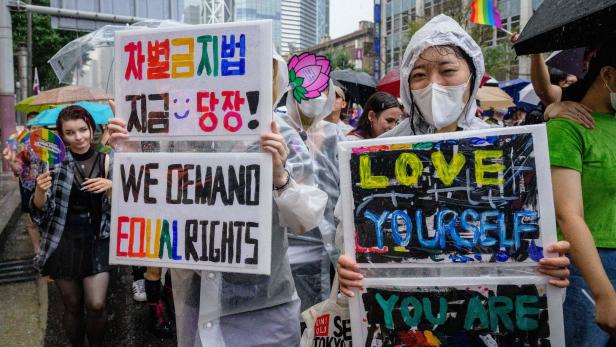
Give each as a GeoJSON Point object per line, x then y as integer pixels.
{"type": "Point", "coordinates": [441, 72]}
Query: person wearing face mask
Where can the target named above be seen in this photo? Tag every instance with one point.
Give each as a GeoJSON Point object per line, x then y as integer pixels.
{"type": "Point", "coordinates": [382, 113]}
{"type": "Point", "coordinates": [438, 86]}
{"type": "Point", "coordinates": [584, 182]}
{"type": "Point", "coordinates": [334, 116]}
{"type": "Point", "coordinates": [315, 249]}
{"type": "Point", "coordinates": [233, 309]}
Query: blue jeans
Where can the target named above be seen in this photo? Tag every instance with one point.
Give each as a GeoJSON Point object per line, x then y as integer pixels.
{"type": "Point", "coordinates": [581, 330]}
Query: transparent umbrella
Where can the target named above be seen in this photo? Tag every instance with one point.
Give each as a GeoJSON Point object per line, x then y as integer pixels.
{"type": "Point", "coordinates": [88, 60]}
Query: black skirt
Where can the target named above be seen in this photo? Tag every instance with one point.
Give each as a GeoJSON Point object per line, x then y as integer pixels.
{"type": "Point", "coordinates": [79, 253]}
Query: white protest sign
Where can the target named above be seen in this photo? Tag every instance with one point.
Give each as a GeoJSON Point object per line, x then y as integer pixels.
{"type": "Point", "coordinates": [195, 82]}
{"type": "Point", "coordinates": [205, 211]}
{"type": "Point", "coordinates": [464, 199]}
{"type": "Point", "coordinates": [463, 311]}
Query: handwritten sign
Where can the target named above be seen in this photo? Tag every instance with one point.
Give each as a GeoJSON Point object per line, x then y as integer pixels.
{"type": "Point", "coordinates": [524, 312]}
{"type": "Point", "coordinates": [192, 210]}
{"type": "Point", "coordinates": [47, 146]}
{"type": "Point", "coordinates": [470, 198]}
{"type": "Point", "coordinates": [195, 81]}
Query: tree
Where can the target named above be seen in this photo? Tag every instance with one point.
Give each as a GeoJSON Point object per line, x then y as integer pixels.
{"type": "Point", "coordinates": [45, 42]}
{"type": "Point", "coordinates": [499, 60]}
{"type": "Point", "coordinates": [339, 59]}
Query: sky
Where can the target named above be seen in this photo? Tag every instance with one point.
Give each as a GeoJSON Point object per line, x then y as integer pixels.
{"type": "Point", "coordinates": [344, 15]}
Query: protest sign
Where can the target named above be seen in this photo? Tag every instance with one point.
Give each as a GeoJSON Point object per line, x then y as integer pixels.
{"type": "Point", "coordinates": [521, 311]}
{"type": "Point", "coordinates": [206, 211]}
{"type": "Point", "coordinates": [195, 82]}
{"type": "Point", "coordinates": [473, 198]}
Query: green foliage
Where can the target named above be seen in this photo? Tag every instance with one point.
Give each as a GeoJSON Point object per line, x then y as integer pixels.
{"type": "Point", "coordinates": [339, 59]}
{"type": "Point", "coordinates": [45, 42]}
{"type": "Point", "coordinates": [498, 60]}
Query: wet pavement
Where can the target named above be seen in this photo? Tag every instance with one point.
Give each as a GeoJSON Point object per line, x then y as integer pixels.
{"type": "Point", "coordinates": [31, 310]}
{"type": "Point", "coordinates": [22, 304]}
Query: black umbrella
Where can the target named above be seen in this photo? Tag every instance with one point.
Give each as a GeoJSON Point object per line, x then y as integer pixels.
{"type": "Point", "coordinates": [564, 24]}
{"type": "Point", "coordinates": [358, 85]}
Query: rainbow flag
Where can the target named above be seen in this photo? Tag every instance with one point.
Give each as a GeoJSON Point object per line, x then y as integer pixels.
{"type": "Point", "coordinates": [24, 136]}
{"type": "Point", "coordinates": [485, 12]}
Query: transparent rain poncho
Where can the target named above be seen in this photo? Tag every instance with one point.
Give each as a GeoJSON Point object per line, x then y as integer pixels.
{"type": "Point", "coordinates": [439, 31]}
{"type": "Point", "coordinates": [312, 253]}
{"type": "Point", "coordinates": [210, 305]}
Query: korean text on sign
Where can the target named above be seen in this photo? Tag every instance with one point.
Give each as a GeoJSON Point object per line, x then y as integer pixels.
{"type": "Point", "coordinates": [200, 81]}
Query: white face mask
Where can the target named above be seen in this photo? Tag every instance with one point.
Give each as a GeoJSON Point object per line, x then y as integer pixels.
{"type": "Point", "coordinates": [440, 105]}
{"type": "Point", "coordinates": [314, 107]}
{"type": "Point", "coordinates": [612, 95]}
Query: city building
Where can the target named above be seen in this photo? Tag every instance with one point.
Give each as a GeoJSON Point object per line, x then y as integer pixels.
{"type": "Point", "coordinates": [297, 24]}
{"type": "Point", "coordinates": [358, 46]}
{"type": "Point", "coordinates": [397, 14]}
{"type": "Point", "coordinates": [322, 19]}
{"type": "Point", "coordinates": [245, 10]}
{"type": "Point", "coordinates": [207, 11]}
{"type": "Point", "coordinates": [298, 21]}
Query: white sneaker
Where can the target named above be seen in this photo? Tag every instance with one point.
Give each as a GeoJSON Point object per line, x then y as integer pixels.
{"type": "Point", "coordinates": [139, 291]}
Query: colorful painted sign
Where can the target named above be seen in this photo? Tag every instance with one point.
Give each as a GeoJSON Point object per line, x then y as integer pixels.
{"type": "Point", "coordinates": [47, 146]}
{"type": "Point", "coordinates": [195, 82]}
{"type": "Point", "coordinates": [469, 198]}
{"type": "Point", "coordinates": [204, 211]}
{"type": "Point", "coordinates": [525, 311]}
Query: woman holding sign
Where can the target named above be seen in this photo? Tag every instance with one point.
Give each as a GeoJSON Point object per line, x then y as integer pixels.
{"type": "Point", "coordinates": [72, 207]}
{"type": "Point", "coordinates": [583, 173]}
{"type": "Point", "coordinates": [234, 309]}
{"type": "Point", "coordinates": [440, 76]}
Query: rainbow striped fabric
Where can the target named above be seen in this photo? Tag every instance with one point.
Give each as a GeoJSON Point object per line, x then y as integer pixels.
{"type": "Point", "coordinates": [485, 12]}
{"type": "Point", "coordinates": [24, 136]}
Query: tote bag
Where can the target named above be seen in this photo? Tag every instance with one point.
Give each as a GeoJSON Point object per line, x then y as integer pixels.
{"type": "Point", "coordinates": [328, 323]}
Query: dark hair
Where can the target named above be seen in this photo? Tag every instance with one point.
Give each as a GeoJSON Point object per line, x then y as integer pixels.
{"type": "Point", "coordinates": [556, 75]}
{"type": "Point", "coordinates": [445, 50]}
{"type": "Point", "coordinates": [377, 102]}
{"type": "Point", "coordinates": [74, 112]}
{"type": "Point", "coordinates": [605, 55]}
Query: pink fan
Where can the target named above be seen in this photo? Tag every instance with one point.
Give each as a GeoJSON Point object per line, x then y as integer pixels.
{"type": "Point", "coordinates": [308, 75]}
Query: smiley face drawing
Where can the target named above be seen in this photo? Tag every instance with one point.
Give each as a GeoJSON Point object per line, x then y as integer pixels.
{"type": "Point", "coordinates": [181, 103]}
{"type": "Point", "coordinates": [186, 113]}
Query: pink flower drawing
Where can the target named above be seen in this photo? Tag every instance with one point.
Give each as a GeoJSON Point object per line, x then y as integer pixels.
{"type": "Point", "coordinates": [308, 75]}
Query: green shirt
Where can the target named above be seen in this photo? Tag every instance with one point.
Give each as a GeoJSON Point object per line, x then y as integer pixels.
{"type": "Point", "coordinates": [591, 152]}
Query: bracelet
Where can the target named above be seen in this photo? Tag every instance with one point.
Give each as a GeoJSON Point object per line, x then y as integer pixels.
{"type": "Point", "coordinates": [286, 183]}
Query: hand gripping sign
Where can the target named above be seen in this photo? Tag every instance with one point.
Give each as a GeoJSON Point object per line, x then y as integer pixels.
{"type": "Point", "coordinates": [448, 230]}
{"type": "Point", "coordinates": [202, 211]}
{"type": "Point", "coordinates": [195, 82]}
{"type": "Point", "coordinates": [467, 198]}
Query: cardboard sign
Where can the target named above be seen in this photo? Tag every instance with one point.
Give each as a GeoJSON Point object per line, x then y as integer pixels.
{"type": "Point", "coordinates": [195, 82]}
{"type": "Point", "coordinates": [206, 211]}
{"type": "Point", "coordinates": [522, 311]}
{"type": "Point", "coordinates": [471, 198]}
